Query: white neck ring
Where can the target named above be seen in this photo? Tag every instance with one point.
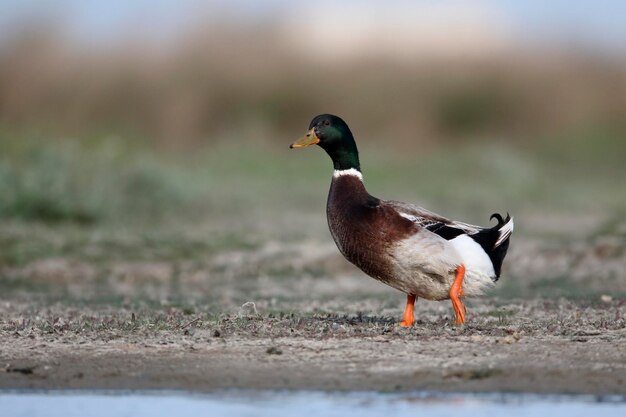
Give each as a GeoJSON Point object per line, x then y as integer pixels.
{"type": "Point", "coordinates": [351, 172]}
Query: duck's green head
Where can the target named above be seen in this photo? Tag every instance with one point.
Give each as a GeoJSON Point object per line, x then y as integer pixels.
{"type": "Point", "coordinates": [333, 135]}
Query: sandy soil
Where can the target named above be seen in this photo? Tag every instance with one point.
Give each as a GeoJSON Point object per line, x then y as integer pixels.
{"type": "Point", "coordinates": [531, 346]}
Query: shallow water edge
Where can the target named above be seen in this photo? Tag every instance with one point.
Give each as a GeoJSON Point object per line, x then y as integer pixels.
{"type": "Point", "coordinates": [287, 402]}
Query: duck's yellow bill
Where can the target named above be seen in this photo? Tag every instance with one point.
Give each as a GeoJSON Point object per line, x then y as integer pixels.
{"type": "Point", "coordinates": [307, 140]}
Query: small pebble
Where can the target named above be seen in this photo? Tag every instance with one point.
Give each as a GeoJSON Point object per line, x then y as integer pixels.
{"type": "Point", "coordinates": [606, 298]}
{"type": "Point", "coordinates": [274, 351]}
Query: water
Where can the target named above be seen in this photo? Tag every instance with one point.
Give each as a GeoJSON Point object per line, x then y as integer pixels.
{"type": "Point", "coordinates": [300, 403]}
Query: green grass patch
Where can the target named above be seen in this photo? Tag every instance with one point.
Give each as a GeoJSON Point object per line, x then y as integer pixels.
{"type": "Point", "coordinates": [59, 181]}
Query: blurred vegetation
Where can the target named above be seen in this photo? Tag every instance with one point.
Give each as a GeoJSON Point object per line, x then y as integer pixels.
{"type": "Point", "coordinates": [53, 180]}
{"type": "Point", "coordinates": [196, 90]}
{"type": "Point", "coordinates": [109, 181]}
{"type": "Point", "coordinates": [172, 159]}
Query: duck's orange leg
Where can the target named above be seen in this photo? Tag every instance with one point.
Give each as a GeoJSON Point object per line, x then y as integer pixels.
{"type": "Point", "coordinates": [408, 318]}
{"type": "Point", "coordinates": [456, 291]}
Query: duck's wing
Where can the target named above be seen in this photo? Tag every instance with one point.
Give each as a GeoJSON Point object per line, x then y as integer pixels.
{"type": "Point", "coordinates": [426, 219]}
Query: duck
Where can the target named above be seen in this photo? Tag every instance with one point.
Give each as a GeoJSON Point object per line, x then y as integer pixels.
{"type": "Point", "coordinates": [405, 246]}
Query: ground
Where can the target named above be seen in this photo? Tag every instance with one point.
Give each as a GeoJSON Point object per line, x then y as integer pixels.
{"type": "Point", "coordinates": [242, 320]}
{"type": "Point", "coordinates": [547, 346]}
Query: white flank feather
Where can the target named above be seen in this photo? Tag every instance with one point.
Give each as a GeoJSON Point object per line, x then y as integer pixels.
{"type": "Point", "coordinates": [505, 232]}
{"type": "Point", "coordinates": [352, 172]}
{"type": "Point", "coordinates": [474, 257]}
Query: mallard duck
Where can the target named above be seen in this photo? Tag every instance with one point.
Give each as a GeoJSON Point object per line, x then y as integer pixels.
{"type": "Point", "coordinates": [402, 245]}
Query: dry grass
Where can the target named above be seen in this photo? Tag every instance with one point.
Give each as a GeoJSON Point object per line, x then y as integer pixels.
{"type": "Point", "coordinates": [506, 322]}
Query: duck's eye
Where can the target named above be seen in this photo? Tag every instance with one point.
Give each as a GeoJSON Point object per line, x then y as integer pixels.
{"type": "Point", "coordinates": [326, 123]}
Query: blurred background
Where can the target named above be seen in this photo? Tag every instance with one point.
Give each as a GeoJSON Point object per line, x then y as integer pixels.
{"type": "Point", "coordinates": [143, 144]}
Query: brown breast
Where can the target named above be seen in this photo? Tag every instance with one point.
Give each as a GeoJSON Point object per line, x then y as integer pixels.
{"type": "Point", "coordinates": [364, 227]}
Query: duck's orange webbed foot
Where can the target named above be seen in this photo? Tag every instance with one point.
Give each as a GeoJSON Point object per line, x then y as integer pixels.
{"type": "Point", "coordinates": [455, 293]}
{"type": "Point", "coordinates": [408, 318]}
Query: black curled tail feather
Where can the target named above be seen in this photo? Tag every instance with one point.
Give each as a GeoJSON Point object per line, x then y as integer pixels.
{"type": "Point", "coordinates": [500, 219]}
{"type": "Point", "coordinates": [495, 240]}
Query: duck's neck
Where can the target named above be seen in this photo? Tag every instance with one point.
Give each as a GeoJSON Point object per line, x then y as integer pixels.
{"type": "Point", "coordinates": [347, 189]}
{"type": "Point", "coordinates": [344, 153]}
{"type": "Point", "coordinates": [345, 160]}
